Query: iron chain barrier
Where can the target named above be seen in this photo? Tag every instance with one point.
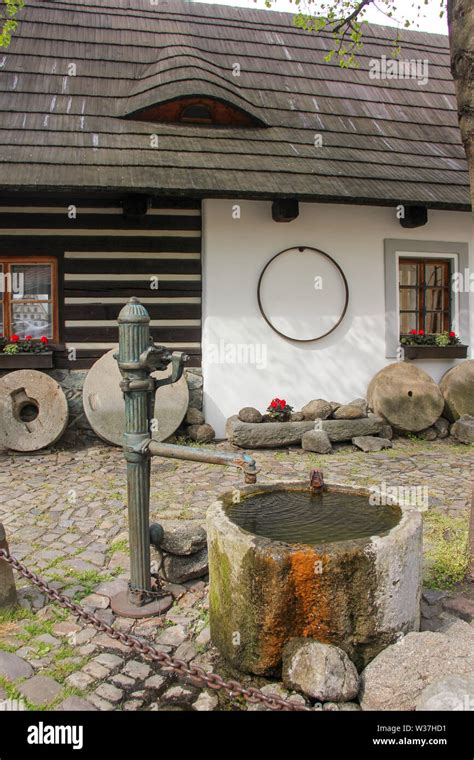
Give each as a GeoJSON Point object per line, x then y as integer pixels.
{"type": "Point", "coordinates": [193, 673]}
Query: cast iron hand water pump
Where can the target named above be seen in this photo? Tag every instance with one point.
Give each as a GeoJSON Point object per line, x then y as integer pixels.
{"type": "Point", "coordinates": [138, 357]}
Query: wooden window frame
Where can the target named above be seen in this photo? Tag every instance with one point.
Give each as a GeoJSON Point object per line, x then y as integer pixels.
{"type": "Point", "coordinates": [6, 299]}
{"type": "Point", "coordinates": [421, 287]}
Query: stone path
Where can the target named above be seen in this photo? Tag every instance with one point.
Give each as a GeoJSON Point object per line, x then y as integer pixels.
{"type": "Point", "coordinates": [64, 512]}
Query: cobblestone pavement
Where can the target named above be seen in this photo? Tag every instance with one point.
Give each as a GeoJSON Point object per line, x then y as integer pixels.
{"type": "Point", "coordinates": [64, 513]}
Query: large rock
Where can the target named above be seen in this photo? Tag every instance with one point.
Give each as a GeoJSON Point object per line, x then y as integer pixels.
{"type": "Point", "coordinates": [250, 414]}
{"type": "Point", "coordinates": [463, 429]}
{"type": "Point", "coordinates": [346, 430]}
{"type": "Point", "coordinates": [229, 425]}
{"type": "Point", "coordinates": [183, 539]}
{"type": "Point", "coordinates": [406, 396]}
{"type": "Point", "coordinates": [316, 440]}
{"type": "Point", "coordinates": [371, 443]}
{"type": "Point", "coordinates": [362, 404]}
{"type": "Point", "coordinates": [321, 671]}
{"type": "Point", "coordinates": [448, 693]}
{"type": "Point", "coordinates": [267, 435]}
{"type": "Point", "coordinates": [430, 434]}
{"type": "Point", "coordinates": [442, 427]}
{"type": "Point", "coordinates": [395, 679]}
{"type": "Point", "coordinates": [201, 433]}
{"type": "Point", "coordinates": [179, 569]}
{"type": "Point", "coordinates": [349, 412]}
{"type": "Point", "coordinates": [318, 409]}
{"type": "Point", "coordinates": [8, 597]}
{"type": "Point", "coordinates": [194, 417]}
{"type": "Point", "coordinates": [457, 387]}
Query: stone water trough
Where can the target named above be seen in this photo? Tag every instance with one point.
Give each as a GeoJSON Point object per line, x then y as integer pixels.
{"type": "Point", "coordinates": [330, 566]}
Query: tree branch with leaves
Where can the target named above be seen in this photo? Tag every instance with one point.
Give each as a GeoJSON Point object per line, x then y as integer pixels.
{"type": "Point", "coordinates": [8, 22]}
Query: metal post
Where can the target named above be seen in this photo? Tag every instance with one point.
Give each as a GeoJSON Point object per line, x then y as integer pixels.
{"type": "Point", "coordinates": [138, 388]}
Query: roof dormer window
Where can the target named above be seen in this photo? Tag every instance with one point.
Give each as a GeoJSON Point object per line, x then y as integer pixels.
{"type": "Point", "coordinates": [197, 113]}
{"type": "Point", "coordinates": [199, 110]}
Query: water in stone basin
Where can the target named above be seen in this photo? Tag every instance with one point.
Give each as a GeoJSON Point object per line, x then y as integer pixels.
{"type": "Point", "coordinates": [298, 517]}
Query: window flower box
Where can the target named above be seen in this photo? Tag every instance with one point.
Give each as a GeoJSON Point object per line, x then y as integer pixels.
{"type": "Point", "coordinates": [421, 345]}
{"type": "Point", "coordinates": [27, 360]}
{"type": "Point", "coordinates": [25, 353]}
{"type": "Point", "coordinates": [435, 352]}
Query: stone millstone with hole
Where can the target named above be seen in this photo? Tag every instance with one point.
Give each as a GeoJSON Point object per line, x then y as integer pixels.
{"type": "Point", "coordinates": [457, 387]}
{"type": "Point", "coordinates": [406, 396]}
{"type": "Point", "coordinates": [33, 411]}
{"type": "Point", "coordinates": [104, 403]}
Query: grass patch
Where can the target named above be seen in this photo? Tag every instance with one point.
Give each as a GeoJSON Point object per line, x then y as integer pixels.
{"type": "Point", "coordinates": [446, 553]}
{"type": "Point", "coordinates": [117, 546]}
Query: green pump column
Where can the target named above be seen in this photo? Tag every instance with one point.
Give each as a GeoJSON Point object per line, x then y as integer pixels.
{"type": "Point", "coordinates": [137, 385]}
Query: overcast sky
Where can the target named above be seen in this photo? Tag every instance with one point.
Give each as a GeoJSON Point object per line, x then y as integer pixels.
{"type": "Point", "coordinates": [429, 21]}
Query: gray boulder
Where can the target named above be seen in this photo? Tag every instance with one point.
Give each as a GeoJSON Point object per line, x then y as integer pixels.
{"type": "Point", "coordinates": [321, 671]}
{"type": "Point", "coordinates": [362, 404]}
{"type": "Point", "coordinates": [371, 443]}
{"type": "Point", "coordinates": [463, 429]}
{"type": "Point", "coordinates": [334, 405]}
{"type": "Point", "coordinates": [183, 539]}
{"type": "Point", "coordinates": [395, 679]}
{"type": "Point", "coordinates": [442, 427]}
{"type": "Point", "coordinates": [318, 409]}
{"type": "Point", "coordinates": [348, 412]}
{"type": "Point", "coordinates": [268, 435]}
{"type": "Point", "coordinates": [229, 425]}
{"type": "Point", "coordinates": [297, 417]}
{"type": "Point", "coordinates": [179, 569]}
{"type": "Point", "coordinates": [386, 432]}
{"type": "Point", "coordinates": [250, 414]}
{"type": "Point", "coordinates": [316, 440]}
{"type": "Point", "coordinates": [201, 433]}
{"type": "Point", "coordinates": [194, 416]}
{"type": "Point", "coordinates": [448, 693]}
{"type": "Point", "coordinates": [346, 430]}
{"type": "Point", "coordinates": [430, 434]}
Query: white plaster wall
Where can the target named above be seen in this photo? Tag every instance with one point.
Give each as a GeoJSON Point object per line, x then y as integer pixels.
{"type": "Point", "coordinates": [338, 367]}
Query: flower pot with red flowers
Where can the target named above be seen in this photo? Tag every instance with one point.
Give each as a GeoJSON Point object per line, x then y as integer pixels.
{"type": "Point", "coordinates": [279, 411]}
{"type": "Point", "coordinates": [25, 353]}
{"type": "Point", "coordinates": [420, 345]}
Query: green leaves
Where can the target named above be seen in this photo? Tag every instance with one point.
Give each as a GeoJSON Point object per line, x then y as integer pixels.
{"type": "Point", "coordinates": [8, 24]}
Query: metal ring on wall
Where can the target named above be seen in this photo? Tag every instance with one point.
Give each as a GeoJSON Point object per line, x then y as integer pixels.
{"type": "Point", "coordinates": [341, 273]}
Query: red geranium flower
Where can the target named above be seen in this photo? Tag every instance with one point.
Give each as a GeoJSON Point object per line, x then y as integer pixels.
{"type": "Point", "coordinates": [14, 338]}
{"type": "Point", "coordinates": [274, 404]}
{"type": "Point", "coordinates": [43, 339]}
{"type": "Point", "coordinates": [452, 334]}
{"type": "Point", "coordinates": [421, 332]}
{"type": "Point", "coordinates": [412, 332]}
{"type": "Point", "coordinates": [28, 337]}
{"type": "Point", "coordinates": [282, 403]}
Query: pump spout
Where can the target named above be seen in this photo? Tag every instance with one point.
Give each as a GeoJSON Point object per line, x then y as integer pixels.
{"type": "Point", "coordinates": [172, 451]}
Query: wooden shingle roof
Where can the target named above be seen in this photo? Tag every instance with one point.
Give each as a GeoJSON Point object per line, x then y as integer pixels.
{"type": "Point", "coordinates": [384, 141]}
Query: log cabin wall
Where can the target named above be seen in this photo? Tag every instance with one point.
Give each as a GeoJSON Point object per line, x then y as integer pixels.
{"type": "Point", "coordinates": [104, 259]}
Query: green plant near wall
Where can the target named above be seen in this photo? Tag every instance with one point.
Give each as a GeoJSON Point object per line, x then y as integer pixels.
{"type": "Point", "coordinates": [446, 553]}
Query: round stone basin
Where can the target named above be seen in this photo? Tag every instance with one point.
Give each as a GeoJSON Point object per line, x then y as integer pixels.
{"type": "Point", "coordinates": [332, 567]}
